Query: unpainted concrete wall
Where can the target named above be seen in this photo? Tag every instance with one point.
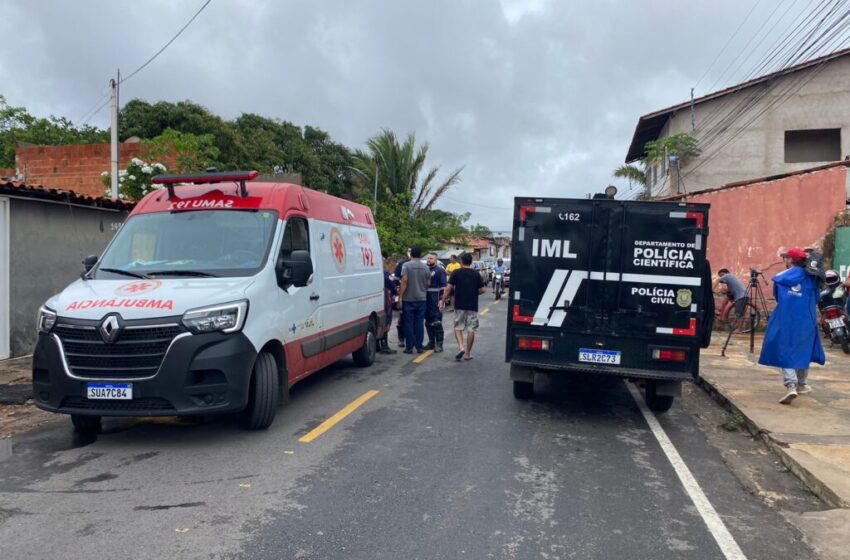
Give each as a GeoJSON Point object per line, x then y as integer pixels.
{"type": "Point", "coordinates": [822, 101]}
{"type": "Point", "coordinates": [750, 225]}
{"type": "Point", "coordinates": [47, 242]}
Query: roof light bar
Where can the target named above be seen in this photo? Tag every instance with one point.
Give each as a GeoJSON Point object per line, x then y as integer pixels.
{"type": "Point", "coordinates": [202, 178]}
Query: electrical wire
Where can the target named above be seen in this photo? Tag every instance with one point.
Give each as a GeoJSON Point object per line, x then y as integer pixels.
{"type": "Point", "coordinates": [717, 129]}
{"type": "Point", "coordinates": [704, 74]}
{"type": "Point", "coordinates": [475, 204]}
{"type": "Point", "coordinates": [95, 107]}
{"type": "Point", "coordinates": [777, 101]}
{"type": "Point", "coordinates": [710, 122]}
{"type": "Point", "coordinates": [744, 49]}
{"type": "Point", "coordinates": [159, 52]}
{"type": "Point", "coordinates": [98, 110]}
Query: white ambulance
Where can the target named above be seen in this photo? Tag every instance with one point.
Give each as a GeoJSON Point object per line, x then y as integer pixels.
{"type": "Point", "coordinates": [215, 296]}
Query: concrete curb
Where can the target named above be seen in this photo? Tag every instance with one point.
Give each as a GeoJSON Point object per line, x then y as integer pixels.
{"type": "Point", "coordinates": [779, 448]}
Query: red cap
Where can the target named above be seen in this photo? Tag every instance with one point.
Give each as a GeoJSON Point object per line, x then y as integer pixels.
{"type": "Point", "coordinates": [795, 254]}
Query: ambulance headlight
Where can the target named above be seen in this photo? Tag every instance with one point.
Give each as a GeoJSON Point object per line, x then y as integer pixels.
{"type": "Point", "coordinates": [227, 318]}
{"type": "Point", "coordinates": [46, 320]}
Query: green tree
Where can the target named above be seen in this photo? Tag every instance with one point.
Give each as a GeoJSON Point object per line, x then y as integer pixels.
{"type": "Point", "coordinates": [481, 231]}
{"type": "Point", "coordinates": [147, 121]}
{"type": "Point", "coordinates": [191, 152]}
{"type": "Point", "coordinates": [17, 125]}
{"type": "Point", "coordinates": [399, 167]}
{"type": "Point", "coordinates": [682, 145]}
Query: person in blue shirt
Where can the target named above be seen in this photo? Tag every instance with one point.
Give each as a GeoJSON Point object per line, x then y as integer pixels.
{"type": "Point", "coordinates": [433, 315]}
{"type": "Point", "coordinates": [792, 341]}
{"type": "Point", "coordinates": [500, 269]}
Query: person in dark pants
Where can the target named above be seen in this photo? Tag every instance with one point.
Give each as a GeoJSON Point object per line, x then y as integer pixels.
{"type": "Point", "coordinates": [415, 278]}
{"type": "Point", "coordinates": [400, 322]}
{"type": "Point", "coordinates": [390, 289]}
{"type": "Point", "coordinates": [433, 315]}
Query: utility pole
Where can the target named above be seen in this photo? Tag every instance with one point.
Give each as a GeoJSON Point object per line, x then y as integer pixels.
{"type": "Point", "coordinates": [375, 209]}
{"type": "Point", "coordinates": [114, 157]}
{"type": "Point", "coordinates": [693, 118]}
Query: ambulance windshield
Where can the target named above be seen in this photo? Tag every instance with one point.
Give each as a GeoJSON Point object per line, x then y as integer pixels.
{"type": "Point", "coordinates": [200, 243]}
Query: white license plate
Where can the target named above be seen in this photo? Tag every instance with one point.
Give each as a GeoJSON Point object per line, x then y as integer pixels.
{"type": "Point", "coordinates": [835, 323]}
{"type": "Point", "coordinates": [599, 356]}
{"type": "Point", "coordinates": [110, 391]}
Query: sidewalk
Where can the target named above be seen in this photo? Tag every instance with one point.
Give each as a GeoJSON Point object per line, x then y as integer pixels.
{"type": "Point", "coordinates": [15, 380]}
{"type": "Point", "coordinates": [811, 436]}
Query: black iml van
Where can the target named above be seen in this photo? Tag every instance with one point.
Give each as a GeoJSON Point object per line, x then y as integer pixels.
{"type": "Point", "coordinates": [611, 287]}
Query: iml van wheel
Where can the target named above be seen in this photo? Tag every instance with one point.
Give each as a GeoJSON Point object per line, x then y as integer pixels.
{"type": "Point", "coordinates": [523, 390]}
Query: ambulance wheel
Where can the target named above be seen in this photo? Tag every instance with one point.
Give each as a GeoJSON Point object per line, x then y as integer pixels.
{"type": "Point", "coordinates": [657, 403]}
{"type": "Point", "coordinates": [262, 394]}
{"type": "Point", "coordinates": [365, 355]}
{"type": "Point", "coordinates": [86, 424]}
{"type": "Point", "coordinates": [523, 390]}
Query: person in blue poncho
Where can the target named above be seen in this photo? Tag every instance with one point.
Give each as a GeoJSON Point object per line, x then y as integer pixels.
{"type": "Point", "coordinates": [791, 341]}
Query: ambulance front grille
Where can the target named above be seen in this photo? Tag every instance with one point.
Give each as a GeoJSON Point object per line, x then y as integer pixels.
{"type": "Point", "coordinates": [136, 352]}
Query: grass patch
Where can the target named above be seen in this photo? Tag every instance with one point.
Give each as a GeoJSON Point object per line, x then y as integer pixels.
{"type": "Point", "coordinates": [734, 422]}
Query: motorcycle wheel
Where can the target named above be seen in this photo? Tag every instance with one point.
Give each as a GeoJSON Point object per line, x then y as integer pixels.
{"type": "Point", "coordinates": [845, 343]}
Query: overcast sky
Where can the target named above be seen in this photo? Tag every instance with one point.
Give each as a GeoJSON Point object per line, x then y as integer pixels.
{"type": "Point", "coordinates": [533, 97]}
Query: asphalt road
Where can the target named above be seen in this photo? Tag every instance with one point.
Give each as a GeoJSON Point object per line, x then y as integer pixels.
{"type": "Point", "coordinates": [441, 463]}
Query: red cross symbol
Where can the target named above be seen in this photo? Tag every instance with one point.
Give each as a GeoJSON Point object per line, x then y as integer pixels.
{"type": "Point", "coordinates": [339, 249]}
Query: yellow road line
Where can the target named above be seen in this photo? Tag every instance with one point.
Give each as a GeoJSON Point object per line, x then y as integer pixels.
{"type": "Point", "coordinates": [485, 311]}
{"type": "Point", "coordinates": [421, 357]}
{"type": "Point", "coordinates": [336, 418]}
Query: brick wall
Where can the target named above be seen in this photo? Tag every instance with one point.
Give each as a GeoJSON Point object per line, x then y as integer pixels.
{"type": "Point", "coordinates": [75, 168]}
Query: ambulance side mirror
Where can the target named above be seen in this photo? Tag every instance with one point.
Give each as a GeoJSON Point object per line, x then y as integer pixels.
{"type": "Point", "coordinates": [294, 271]}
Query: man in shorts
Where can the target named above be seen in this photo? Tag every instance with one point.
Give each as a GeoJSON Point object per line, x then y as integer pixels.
{"type": "Point", "coordinates": [465, 284]}
{"type": "Point", "coordinates": [737, 292]}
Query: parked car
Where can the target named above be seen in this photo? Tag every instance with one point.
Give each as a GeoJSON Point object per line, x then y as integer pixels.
{"type": "Point", "coordinates": [214, 297]}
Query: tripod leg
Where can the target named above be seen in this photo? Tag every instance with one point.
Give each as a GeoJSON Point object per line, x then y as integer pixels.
{"type": "Point", "coordinates": [732, 326]}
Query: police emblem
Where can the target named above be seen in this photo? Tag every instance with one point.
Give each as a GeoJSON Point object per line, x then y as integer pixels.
{"type": "Point", "coordinates": [684, 298]}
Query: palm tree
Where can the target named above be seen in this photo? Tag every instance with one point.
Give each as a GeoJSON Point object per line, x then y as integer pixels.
{"type": "Point", "coordinates": [634, 175]}
{"type": "Point", "coordinates": [399, 167]}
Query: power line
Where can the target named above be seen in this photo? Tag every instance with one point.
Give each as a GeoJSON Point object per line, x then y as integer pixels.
{"type": "Point", "coordinates": [91, 110]}
{"type": "Point", "coordinates": [98, 110]}
{"type": "Point", "coordinates": [159, 52]}
{"type": "Point", "coordinates": [713, 134]}
{"type": "Point", "coordinates": [779, 100]}
{"type": "Point", "coordinates": [476, 204]}
{"type": "Point", "coordinates": [704, 74]}
{"type": "Point", "coordinates": [744, 49]}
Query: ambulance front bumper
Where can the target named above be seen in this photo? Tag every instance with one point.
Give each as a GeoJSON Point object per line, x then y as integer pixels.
{"type": "Point", "coordinates": [198, 375]}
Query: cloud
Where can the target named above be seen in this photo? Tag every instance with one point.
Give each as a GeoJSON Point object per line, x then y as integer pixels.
{"type": "Point", "coordinates": [533, 97]}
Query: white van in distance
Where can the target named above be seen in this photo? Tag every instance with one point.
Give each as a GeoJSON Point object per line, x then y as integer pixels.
{"type": "Point", "coordinates": [215, 296]}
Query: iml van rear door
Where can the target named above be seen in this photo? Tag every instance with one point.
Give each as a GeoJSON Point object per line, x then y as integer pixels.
{"type": "Point", "coordinates": [659, 282]}
{"type": "Point", "coordinates": [607, 267]}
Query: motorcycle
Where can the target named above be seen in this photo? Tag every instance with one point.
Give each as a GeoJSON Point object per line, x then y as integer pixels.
{"type": "Point", "coordinates": [834, 320]}
{"type": "Point", "coordinates": [497, 286]}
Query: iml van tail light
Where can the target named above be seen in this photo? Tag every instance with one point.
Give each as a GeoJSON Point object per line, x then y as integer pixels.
{"type": "Point", "coordinates": [669, 355]}
{"type": "Point", "coordinates": [531, 343]}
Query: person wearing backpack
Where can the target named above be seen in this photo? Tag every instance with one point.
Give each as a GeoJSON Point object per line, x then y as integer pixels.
{"type": "Point", "coordinates": [791, 341]}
